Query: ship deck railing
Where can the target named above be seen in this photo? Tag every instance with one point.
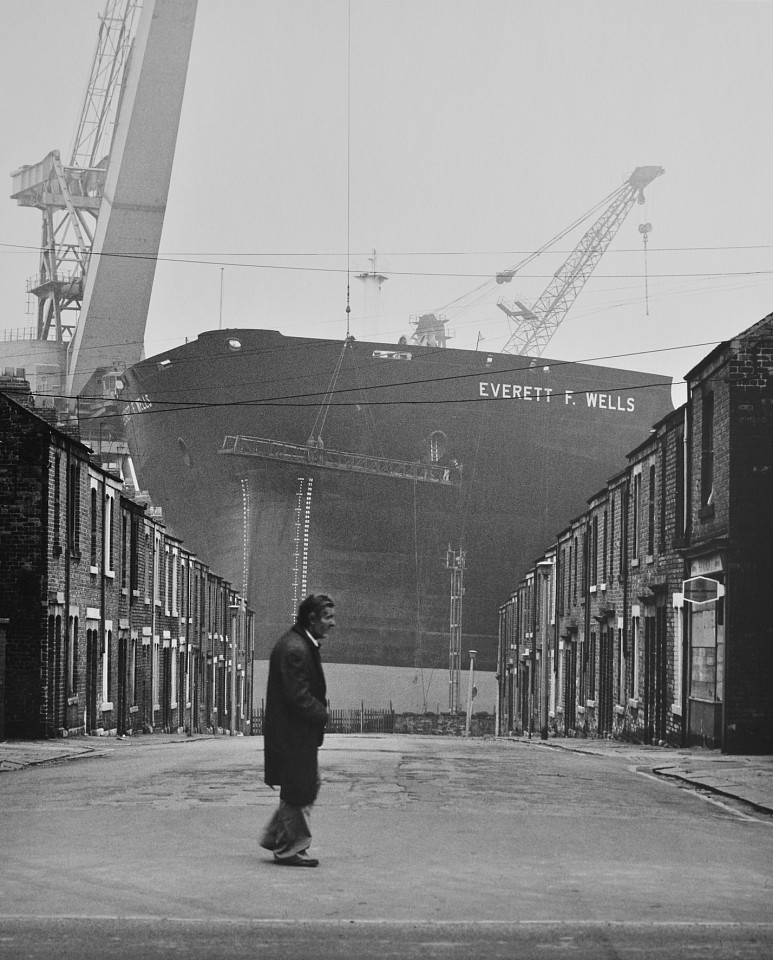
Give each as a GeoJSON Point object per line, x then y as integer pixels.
{"type": "Point", "coordinates": [316, 456]}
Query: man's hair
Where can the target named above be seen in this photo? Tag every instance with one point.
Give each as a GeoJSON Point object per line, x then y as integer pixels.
{"type": "Point", "coordinates": [312, 606]}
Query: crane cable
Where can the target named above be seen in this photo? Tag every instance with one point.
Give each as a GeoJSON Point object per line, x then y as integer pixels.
{"type": "Point", "coordinates": [481, 288]}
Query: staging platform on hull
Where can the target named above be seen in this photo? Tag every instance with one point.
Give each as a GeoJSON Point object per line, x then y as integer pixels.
{"type": "Point", "coordinates": [318, 456]}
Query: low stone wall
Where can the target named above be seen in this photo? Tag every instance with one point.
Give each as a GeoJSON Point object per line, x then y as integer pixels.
{"type": "Point", "coordinates": [444, 724]}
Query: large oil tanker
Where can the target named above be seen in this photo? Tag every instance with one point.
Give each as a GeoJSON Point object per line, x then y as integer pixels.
{"type": "Point", "coordinates": [353, 468]}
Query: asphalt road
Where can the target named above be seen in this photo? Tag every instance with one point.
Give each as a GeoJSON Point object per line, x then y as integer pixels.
{"type": "Point", "coordinates": [429, 847]}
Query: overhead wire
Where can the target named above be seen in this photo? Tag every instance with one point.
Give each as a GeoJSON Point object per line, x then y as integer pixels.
{"type": "Point", "coordinates": [312, 398]}
{"type": "Point", "coordinates": [194, 261]}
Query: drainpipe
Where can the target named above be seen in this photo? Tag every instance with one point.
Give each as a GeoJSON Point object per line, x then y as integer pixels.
{"type": "Point", "coordinates": [70, 634]}
{"type": "Point", "coordinates": [533, 671]}
{"type": "Point", "coordinates": [544, 568]}
{"type": "Point", "coordinates": [501, 677]}
{"type": "Point", "coordinates": [470, 693]}
{"type": "Point", "coordinates": [723, 730]}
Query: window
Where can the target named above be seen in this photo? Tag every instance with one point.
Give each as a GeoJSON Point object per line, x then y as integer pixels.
{"type": "Point", "coordinates": [133, 557]}
{"type": "Point", "coordinates": [156, 570]}
{"type": "Point", "coordinates": [651, 512]}
{"type": "Point", "coordinates": [109, 556]}
{"type": "Point", "coordinates": [707, 652]}
{"type": "Point", "coordinates": [74, 508]}
{"type": "Point", "coordinates": [663, 466]}
{"type": "Point", "coordinates": [593, 572]}
{"type": "Point", "coordinates": [707, 451]}
{"type": "Point", "coordinates": [124, 532]}
{"type": "Point", "coordinates": [174, 581]}
{"type": "Point", "coordinates": [561, 560]}
{"type": "Point", "coordinates": [106, 678]}
{"type": "Point", "coordinates": [678, 605]}
{"type": "Point", "coordinates": [166, 580]}
{"type": "Point", "coordinates": [173, 654]}
{"type": "Point", "coordinates": [70, 655]}
{"type": "Point", "coordinates": [612, 537]}
{"type": "Point", "coordinates": [681, 483]}
{"type": "Point", "coordinates": [604, 552]}
{"type": "Point", "coordinates": [635, 501]}
{"type": "Point", "coordinates": [57, 495]}
{"type": "Point", "coordinates": [634, 664]}
{"type": "Point", "coordinates": [133, 672]}
{"type": "Point", "coordinates": [575, 569]}
{"type": "Point", "coordinates": [94, 527]}
{"type": "Point", "coordinates": [155, 668]}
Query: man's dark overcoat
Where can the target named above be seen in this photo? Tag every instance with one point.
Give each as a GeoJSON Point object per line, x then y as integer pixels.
{"type": "Point", "coordinates": [296, 715]}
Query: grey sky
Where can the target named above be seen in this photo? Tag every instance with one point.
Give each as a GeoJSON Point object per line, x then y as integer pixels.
{"type": "Point", "coordinates": [479, 129]}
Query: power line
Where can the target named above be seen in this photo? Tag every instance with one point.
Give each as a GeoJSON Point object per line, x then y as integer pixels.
{"type": "Point", "coordinates": [192, 261]}
{"type": "Point", "coordinates": [418, 253]}
{"type": "Point", "coordinates": [313, 399]}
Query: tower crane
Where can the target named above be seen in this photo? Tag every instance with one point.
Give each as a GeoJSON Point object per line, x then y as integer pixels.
{"type": "Point", "coordinates": [104, 210]}
{"type": "Point", "coordinates": [69, 195]}
{"type": "Point", "coordinates": [535, 325]}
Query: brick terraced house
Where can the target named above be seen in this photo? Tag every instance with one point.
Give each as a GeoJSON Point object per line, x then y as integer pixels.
{"type": "Point", "coordinates": [107, 624]}
{"type": "Point", "coordinates": [648, 618]}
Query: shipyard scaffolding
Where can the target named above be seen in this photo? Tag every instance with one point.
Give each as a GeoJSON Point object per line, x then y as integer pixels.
{"type": "Point", "coordinates": [316, 456]}
{"type": "Point", "coordinates": [455, 562]}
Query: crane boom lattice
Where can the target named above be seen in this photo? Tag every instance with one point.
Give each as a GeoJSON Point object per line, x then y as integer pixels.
{"type": "Point", "coordinates": [535, 325]}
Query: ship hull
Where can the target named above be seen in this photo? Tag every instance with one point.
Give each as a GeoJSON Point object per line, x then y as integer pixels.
{"type": "Point", "coordinates": [533, 440]}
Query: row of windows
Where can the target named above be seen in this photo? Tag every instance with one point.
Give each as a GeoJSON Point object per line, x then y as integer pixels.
{"type": "Point", "coordinates": [146, 559]}
{"type": "Point", "coordinates": [596, 551]}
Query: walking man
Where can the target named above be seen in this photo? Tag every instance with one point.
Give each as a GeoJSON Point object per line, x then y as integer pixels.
{"type": "Point", "coordinates": [296, 714]}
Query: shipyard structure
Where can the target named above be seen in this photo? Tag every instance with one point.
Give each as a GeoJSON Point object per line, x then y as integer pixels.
{"type": "Point", "coordinates": [430, 458]}
{"type": "Point", "coordinates": [410, 480]}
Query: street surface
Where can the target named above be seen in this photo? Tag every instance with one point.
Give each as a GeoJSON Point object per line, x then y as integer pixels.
{"type": "Point", "coordinates": [429, 847]}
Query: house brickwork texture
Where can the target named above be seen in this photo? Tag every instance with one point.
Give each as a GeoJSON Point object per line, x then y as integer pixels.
{"type": "Point", "coordinates": [659, 632]}
{"type": "Point", "coordinates": [107, 624]}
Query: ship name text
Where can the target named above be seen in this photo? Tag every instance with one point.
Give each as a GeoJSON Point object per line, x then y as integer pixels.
{"type": "Point", "coordinates": [588, 398]}
{"type": "Point", "coordinates": [140, 405]}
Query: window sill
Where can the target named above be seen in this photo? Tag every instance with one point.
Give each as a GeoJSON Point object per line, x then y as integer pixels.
{"type": "Point", "coordinates": [590, 703]}
{"type": "Point", "coordinates": [635, 563]}
{"type": "Point", "coordinates": [134, 709]}
{"type": "Point", "coordinates": [619, 710]}
{"type": "Point", "coordinates": [676, 709]}
{"type": "Point", "coordinates": [71, 701]}
{"type": "Point", "coordinates": [106, 707]}
{"type": "Point", "coordinates": [633, 704]}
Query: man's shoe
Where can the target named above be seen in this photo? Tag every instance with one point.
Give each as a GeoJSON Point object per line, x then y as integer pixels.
{"type": "Point", "coordinates": [299, 860]}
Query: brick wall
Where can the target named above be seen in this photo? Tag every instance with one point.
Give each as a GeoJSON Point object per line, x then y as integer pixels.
{"type": "Point", "coordinates": [80, 625]}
